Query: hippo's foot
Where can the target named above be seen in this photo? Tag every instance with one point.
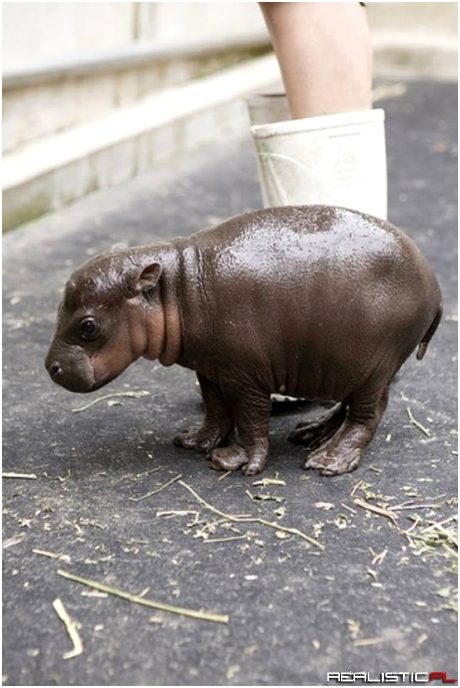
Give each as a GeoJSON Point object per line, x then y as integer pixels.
{"type": "Point", "coordinates": [252, 460]}
{"type": "Point", "coordinates": [317, 433]}
{"type": "Point", "coordinates": [334, 462]}
{"type": "Point", "coordinates": [200, 438]}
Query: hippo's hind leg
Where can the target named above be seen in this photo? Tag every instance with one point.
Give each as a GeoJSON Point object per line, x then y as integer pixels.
{"type": "Point", "coordinates": [251, 411]}
{"type": "Point", "coordinates": [344, 451]}
{"type": "Point", "coordinates": [218, 424]}
{"type": "Point", "coordinates": [317, 432]}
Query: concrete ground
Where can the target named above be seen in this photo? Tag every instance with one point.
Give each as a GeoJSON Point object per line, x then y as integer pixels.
{"type": "Point", "coordinates": [378, 596]}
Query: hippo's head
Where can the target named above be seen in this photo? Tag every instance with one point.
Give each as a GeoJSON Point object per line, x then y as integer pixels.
{"type": "Point", "coordinates": [110, 307]}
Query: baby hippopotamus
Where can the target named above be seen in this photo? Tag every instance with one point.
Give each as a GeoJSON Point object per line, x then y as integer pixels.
{"type": "Point", "coordinates": [311, 301]}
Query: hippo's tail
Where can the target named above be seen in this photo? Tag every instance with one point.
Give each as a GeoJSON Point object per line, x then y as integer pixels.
{"type": "Point", "coordinates": [422, 347]}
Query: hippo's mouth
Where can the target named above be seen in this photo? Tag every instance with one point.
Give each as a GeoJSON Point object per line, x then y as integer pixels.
{"type": "Point", "coordinates": [83, 385]}
{"type": "Point", "coordinates": [74, 384]}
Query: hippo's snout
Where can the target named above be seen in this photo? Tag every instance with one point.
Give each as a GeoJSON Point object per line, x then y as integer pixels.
{"type": "Point", "coordinates": [71, 370]}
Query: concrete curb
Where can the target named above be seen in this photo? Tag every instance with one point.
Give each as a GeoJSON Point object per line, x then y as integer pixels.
{"type": "Point", "coordinates": [48, 174]}
{"type": "Point", "coordinates": [56, 96]}
{"type": "Point", "coordinates": [126, 58]}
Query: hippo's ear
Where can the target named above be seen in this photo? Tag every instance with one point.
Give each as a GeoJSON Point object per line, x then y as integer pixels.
{"type": "Point", "coordinates": [146, 278]}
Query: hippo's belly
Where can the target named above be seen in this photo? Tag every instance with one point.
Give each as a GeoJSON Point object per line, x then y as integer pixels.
{"type": "Point", "coordinates": [324, 378]}
{"type": "Point", "coordinates": [327, 351]}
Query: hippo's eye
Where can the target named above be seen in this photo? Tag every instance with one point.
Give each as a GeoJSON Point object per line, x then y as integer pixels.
{"type": "Point", "coordinates": [88, 329]}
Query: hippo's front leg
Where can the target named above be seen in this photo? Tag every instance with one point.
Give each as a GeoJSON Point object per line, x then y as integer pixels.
{"type": "Point", "coordinates": [251, 411]}
{"type": "Point", "coordinates": [218, 423]}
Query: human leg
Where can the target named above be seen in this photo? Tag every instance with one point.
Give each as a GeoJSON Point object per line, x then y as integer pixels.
{"type": "Point", "coordinates": [325, 55]}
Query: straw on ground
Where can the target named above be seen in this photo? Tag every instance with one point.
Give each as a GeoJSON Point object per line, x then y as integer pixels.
{"type": "Point", "coordinates": [137, 599]}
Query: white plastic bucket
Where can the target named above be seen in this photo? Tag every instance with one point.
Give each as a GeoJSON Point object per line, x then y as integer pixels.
{"type": "Point", "coordinates": [333, 159]}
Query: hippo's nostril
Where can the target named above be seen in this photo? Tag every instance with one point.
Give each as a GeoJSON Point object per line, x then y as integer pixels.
{"type": "Point", "coordinates": [55, 369]}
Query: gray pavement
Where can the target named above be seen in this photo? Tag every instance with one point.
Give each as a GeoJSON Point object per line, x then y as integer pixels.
{"type": "Point", "coordinates": [295, 611]}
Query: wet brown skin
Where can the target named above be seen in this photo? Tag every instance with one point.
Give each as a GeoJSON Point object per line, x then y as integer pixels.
{"type": "Point", "coordinates": [311, 301]}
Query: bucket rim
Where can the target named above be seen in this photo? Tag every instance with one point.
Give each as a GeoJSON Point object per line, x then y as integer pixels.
{"type": "Point", "coordinates": [293, 126]}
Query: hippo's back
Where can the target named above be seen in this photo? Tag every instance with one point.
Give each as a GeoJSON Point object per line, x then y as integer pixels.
{"type": "Point", "coordinates": [333, 244]}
